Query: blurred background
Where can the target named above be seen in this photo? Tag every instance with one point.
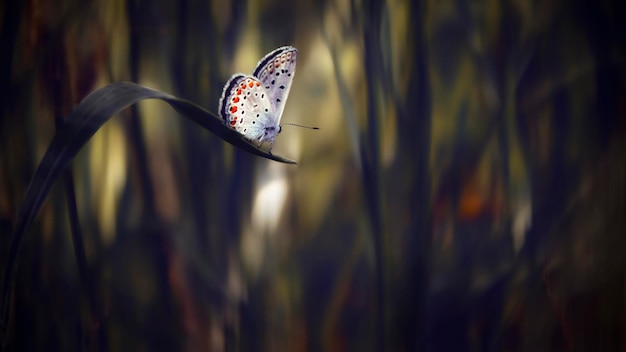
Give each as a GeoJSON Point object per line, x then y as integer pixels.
{"type": "Point", "coordinates": [465, 191]}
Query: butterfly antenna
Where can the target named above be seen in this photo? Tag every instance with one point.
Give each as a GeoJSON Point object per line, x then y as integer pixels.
{"type": "Point", "coordinates": [295, 124]}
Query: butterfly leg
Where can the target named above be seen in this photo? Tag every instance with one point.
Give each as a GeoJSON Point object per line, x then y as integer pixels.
{"type": "Point", "coordinates": [260, 142]}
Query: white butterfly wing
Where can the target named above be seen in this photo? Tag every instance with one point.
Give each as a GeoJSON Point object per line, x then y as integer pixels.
{"type": "Point", "coordinates": [245, 106]}
{"type": "Point", "coordinates": [276, 71]}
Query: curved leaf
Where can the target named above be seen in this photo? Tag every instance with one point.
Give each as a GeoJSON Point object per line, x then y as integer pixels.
{"type": "Point", "coordinates": [81, 124]}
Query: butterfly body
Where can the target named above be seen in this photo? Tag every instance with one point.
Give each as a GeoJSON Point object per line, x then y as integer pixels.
{"type": "Point", "coordinates": [253, 104]}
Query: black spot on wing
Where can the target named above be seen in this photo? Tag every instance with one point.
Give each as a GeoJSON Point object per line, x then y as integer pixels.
{"type": "Point", "coordinates": [269, 57]}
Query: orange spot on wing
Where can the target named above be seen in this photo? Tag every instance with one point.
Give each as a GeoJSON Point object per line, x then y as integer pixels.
{"type": "Point", "coordinates": [238, 91]}
{"type": "Point", "coordinates": [233, 109]}
{"type": "Point", "coordinates": [258, 84]}
{"type": "Point", "coordinates": [235, 99]}
{"type": "Point", "coordinates": [251, 84]}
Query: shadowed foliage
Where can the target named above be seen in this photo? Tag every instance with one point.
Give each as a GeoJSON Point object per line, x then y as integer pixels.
{"type": "Point", "coordinates": [465, 190]}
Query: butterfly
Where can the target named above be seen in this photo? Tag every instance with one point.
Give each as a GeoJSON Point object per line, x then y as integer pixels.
{"type": "Point", "coordinates": [253, 104]}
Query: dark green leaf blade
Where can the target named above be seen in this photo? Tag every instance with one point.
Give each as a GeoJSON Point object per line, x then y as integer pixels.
{"type": "Point", "coordinates": [81, 124]}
